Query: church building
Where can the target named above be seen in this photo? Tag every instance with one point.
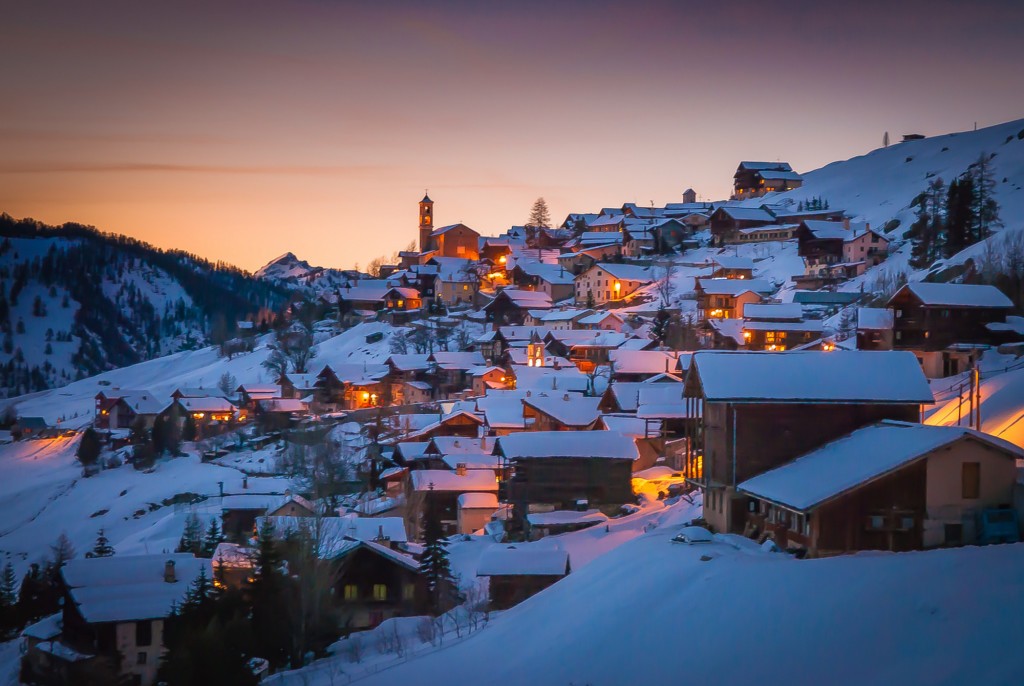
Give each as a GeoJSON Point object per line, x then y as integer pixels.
{"type": "Point", "coordinates": [455, 240]}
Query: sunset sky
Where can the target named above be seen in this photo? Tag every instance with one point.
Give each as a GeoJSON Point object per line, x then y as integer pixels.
{"type": "Point", "coordinates": [243, 130]}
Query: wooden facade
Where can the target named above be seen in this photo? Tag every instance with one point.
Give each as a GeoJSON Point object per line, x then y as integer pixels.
{"type": "Point", "coordinates": [374, 584]}
{"type": "Point", "coordinates": [562, 482]}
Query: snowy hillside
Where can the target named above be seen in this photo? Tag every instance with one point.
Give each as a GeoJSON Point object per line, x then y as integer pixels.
{"type": "Point", "coordinates": [654, 611]}
{"type": "Point", "coordinates": [197, 369]}
{"type": "Point", "coordinates": [880, 186]}
{"type": "Point", "coordinates": [74, 302]}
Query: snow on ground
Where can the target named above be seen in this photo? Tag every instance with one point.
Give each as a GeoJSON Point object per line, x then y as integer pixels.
{"type": "Point", "coordinates": [43, 494]}
{"type": "Point", "coordinates": [195, 368]}
{"type": "Point", "coordinates": [662, 612]}
{"type": "Point", "coordinates": [1002, 398]}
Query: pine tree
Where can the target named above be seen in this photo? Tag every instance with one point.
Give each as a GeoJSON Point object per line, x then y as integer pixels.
{"type": "Point", "coordinates": [89, 447]}
{"type": "Point", "coordinates": [659, 330]}
{"type": "Point", "coordinates": [885, 140]}
{"type": "Point", "coordinates": [213, 538]}
{"type": "Point", "coordinates": [192, 537]}
{"type": "Point", "coordinates": [959, 215]}
{"type": "Point", "coordinates": [928, 230]}
{"type": "Point", "coordinates": [984, 206]}
{"type": "Point", "coordinates": [540, 216]}
{"type": "Point", "coordinates": [102, 547]}
{"type": "Point", "coordinates": [434, 563]}
{"type": "Point", "coordinates": [270, 591]}
{"type": "Point", "coordinates": [10, 620]}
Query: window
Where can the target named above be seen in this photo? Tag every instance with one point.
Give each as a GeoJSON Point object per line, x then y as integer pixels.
{"type": "Point", "coordinates": [144, 633]}
{"type": "Point", "coordinates": [460, 250]}
{"type": "Point", "coordinates": [769, 336]}
{"type": "Point", "coordinates": [465, 286]}
{"type": "Point", "coordinates": [409, 592]}
{"type": "Point", "coordinates": [876, 522]}
{"type": "Point", "coordinates": [140, 659]}
{"type": "Point", "coordinates": [351, 592]}
{"type": "Point", "coordinates": [970, 480]}
{"type": "Point", "coordinates": [380, 592]}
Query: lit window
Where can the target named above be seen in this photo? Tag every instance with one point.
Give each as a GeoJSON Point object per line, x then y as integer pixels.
{"type": "Point", "coordinates": [380, 592]}
{"type": "Point", "coordinates": [409, 592]}
{"type": "Point", "coordinates": [351, 592]}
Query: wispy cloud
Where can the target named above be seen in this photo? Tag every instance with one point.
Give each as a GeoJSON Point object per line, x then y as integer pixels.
{"type": "Point", "coordinates": [168, 168]}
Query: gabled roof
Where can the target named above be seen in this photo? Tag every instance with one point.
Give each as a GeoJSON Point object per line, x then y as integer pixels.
{"type": "Point", "coordinates": [747, 214]}
{"type": "Point", "coordinates": [447, 481]}
{"type": "Point", "coordinates": [771, 174]}
{"type": "Point", "coordinates": [810, 377]}
{"type": "Point", "coordinates": [857, 458]}
{"type": "Point", "coordinates": [446, 229]}
{"type": "Point", "coordinates": [792, 311]}
{"type": "Point", "coordinates": [573, 444]}
{"type": "Point", "coordinates": [525, 560]}
{"type": "Point", "coordinates": [647, 361]}
{"type": "Point", "coordinates": [207, 404]}
{"type": "Point", "coordinates": [626, 272]}
{"type": "Point", "coordinates": [598, 317]}
{"type": "Point", "coordinates": [956, 295]}
{"type": "Point", "coordinates": [735, 286]}
{"type": "Point", "coordinates": [748, 165]}
{"type": "Point", "coordinates": [567, 409]}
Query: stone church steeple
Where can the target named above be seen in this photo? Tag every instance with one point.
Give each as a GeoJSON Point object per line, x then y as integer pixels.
{"type": "Point", "coordinates": [426, 222]}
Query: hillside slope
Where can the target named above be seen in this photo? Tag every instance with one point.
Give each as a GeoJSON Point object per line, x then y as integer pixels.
{"type": "Point", "coordinates": [652, 611]}
{"type": "Point", "coordinates": [75, 302]}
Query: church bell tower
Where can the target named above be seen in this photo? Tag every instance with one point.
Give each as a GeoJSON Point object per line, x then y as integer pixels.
{"type": "Point", "coordinates": [426, 222]}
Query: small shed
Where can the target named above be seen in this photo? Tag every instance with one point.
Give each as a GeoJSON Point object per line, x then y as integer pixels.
{"type": "Point", "coordinates": [516, 573]}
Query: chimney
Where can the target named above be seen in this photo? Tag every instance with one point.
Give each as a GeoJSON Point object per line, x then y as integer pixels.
{"type": "Point", "coordinates": [460, 469]}
{"type": "Point", "coordinates": [867, 226]}
{"type": "Point", "coordinates": [528, 394]}
{"type": "Point", "coordinates": [565, 397]}
{"type": "Point", "coordinates": [456, 443]}
{"type": "Point", "coordinates": [169, 572]}
{"type": "Point", "coordinates": [846, 223]}
{"type": "Point", "coordinates": [245, 482]}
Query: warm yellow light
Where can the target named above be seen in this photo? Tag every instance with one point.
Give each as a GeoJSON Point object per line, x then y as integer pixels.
{"type": "Point", "coordinates": [198, 415]}
{"type": "Point", "coordinates": [747, 334]}
{"type": "Point", "coordinates": [618, 286]}
{"type": "Point", "coordinates": [502, 259]}
{"type": "Point", "coordinates": [366, 395]}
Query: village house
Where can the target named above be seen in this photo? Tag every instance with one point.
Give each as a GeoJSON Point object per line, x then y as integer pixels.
{"type": "Point", "coordinates": [874, 328]}
{"type": "Point", "coordinates": [730, 267]}
{"type": "Point", "coordinates": [754, 179]}
{"type": "Point", "coordinates": [801, 399]}
{"type": "Point", "coordinates": [512, 305]}
{"type": "Point", "coordinates": [726, 222]}
{"type": "Point", "coordinates": [888, 486]}
{"type": "Point", "coordinates": [442, 488]}
{"type": "Point", "coordinates": [514, 574]}
{"type": "Point", "coordinates": [640, 365]}
{"type": "Point", "coordinates": [726, 298]}
{"type": "Point", "coordinates": [604, 320]}
{"type": "Point", "coordinates": [607, 282]}
{"type": "Point", "coordinates": [560, 412]}
{"type": "Point", "coordinates": [934, 320]}
{"type": "Point", "coordinates": [834, 251]}
{"type": "Point", "coordinates": [475, 511]}
{"type": "Point", "coordinates": [566, 470]}
{"type": "Point", "coordinates": [295, 385]}
{"type": "Point", "coordinates": [119, 409]}
{"type": "Point", "coordinates": [112, 620]}
{"type": "Point", "coordinates": [778, 326]}
{"type": "Point", "coordinates": [552, 279]}
{"type": "Point", "coordinates": [374, 583]}
{"type": "Point", "coordinates": [585, 349]}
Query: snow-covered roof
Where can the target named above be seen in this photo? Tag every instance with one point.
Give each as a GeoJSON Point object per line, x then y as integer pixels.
{"type": "Point", "coordinates": [957, 295]}
{"type": "Point", "coordinates": [209, 404]}
{"type": "Point", "coordinates": [372, 528]}
{"type": "Point", "coordinates": [647, 361]}
{"type": "Point", "coordinates": [282, 405]}
{"type": "Point", "coordinates": [730, 328]}
{"type": "Point", "coordinates": [566, 517]}
{"type": "Point", "coordinates": [734, 286]}
{"type": "Point", "coordinates": [143, 402]}
{"type": "Point", "coordinates": [126, 588]}
{"type": "Point", "coordinates": [874, 318]}
{"type": "Point", "coordinates": [770, 174]}
{"type": "Point", "coordinates": [249, 501]}
{"type": "Point", "coordinates": [629, 425]}
{"type": "Point", "coordinates": [522, 561]}
{"type": "Point", "coordinates": [364, 293]}
{"type": "Point", "coordinates": [444, 480]}
{"type": "Point", "coordinates": [455, 445]}
{"type": "Point", "coordinates": [773, 311]}
{"type": "Point", "coordinates": [503, 412]}
{"type": "Point", "coordinates": [478, 501]}
{"type": "Point", "coordinates": [569, 409]}
{"type": "Point", "coordinates": [458, 360]}
{"type": "Point", "coordinates": [550, 379]}
{"type": "Point", "coordinates": [410, 362]}
{"type": "Point", "coordinates": [812, 377]}
{"type": "Point", "coordinates": [749, 165]}
{"type": "Point", "coordinates": [813, 325]}
{"type": "Point", "coordinates": [584, 444]}
{"type": "Point", "coordinates": [857, 458]}
{"type": "Point", "coordinates": [748, 214]}
{"type": "Point", "coordinates": [598, 317]}
{"type": "Point", "coordinates": [527, 299]}
{"type": "Point", "coordinates": [626, 272]}
{"type": "Point", "coordinates": [732, 262]}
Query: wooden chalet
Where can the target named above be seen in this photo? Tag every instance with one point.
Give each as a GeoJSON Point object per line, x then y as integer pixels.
{"type": "Point", "coordinates": [374, 583]}
{"type": "Point", "coordinates": [778, 326]}
{"type": "Point", "coordinates": [512, 305]}
{"type": "Point", "coordinates": [727, 221]}
{"type": "Point", "coordinates": [800, 399]}
{"type": "Point", "coordinates": [888, 486]}
{"type": "Point", "coordinates": [754, 179]}
{"type": "Point", "coordinates": [566, 470]}
{"type": "Point", "coordinates": [516, 573]}
{"type": "Point", "coordinates": [560, 412]}
{"type": "Point", "coordinates": [726, 298]}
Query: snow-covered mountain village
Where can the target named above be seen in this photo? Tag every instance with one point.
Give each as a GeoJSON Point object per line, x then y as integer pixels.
{"type": "Point", "coordinates": [778, 407]}
{"type": "Point", "coordinates": [606, 343]}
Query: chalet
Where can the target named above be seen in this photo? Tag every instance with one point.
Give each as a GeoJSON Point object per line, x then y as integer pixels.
{"type": "Point", "coordinates": [874, 328]}
{"type": "Point", "coordinates": [930, 318]}
{"type": "Point", "coordinates": [402, 299]}
{"type": "Point", "coordinates": [562, 470]}
{"type": "Point", "coordinates": [496, 250]}
{"type": "Point", "coordinates": [585, 349]}
{"type": "Point", "coordinates": [551, 279]}
{"type": "Point", "coordinates": [766, 233]}
{"type": "Point", "coordinates": [562, 412]}
{"type": "Point", "coordinates": [778, 327]}
{"type": "Point", "coordinates": [457, 282]}
{"type": "Point", "coordinates": [503, 411]}
{"type": "Point", "coordinates": [801, 399]}
{"type": "Point", "coordinates": [516, 573]}
{"type": "Point", "coordinates": [554, 522]}
{"type": "Point", "coordinates": [583, 257]}
{"type": "Point", "coordinates": [835, 251]}
{"type": "Point", "coordinates": [561, 319]}
{"type": "Point", "coordinates": [369, 297]}
{"type": "Point", "coordinates": [726, 298]}
{"type": "Point", "coordinates": [275, 414]}
{"type": "Point", "coordinates": [453, 371]}
{"type": "Point", "coordinates": [607, 282]}
{"type": "Point", "coordinates": [511, 305]}
{"type": "Point", "coordinates": [721, 334]}
{"type": "Point", "coordinates": [111, 626]}
{"type": "Point", "coordinates": [249, 394]}
{"type": "Point", "coordinates": [729, 267]}
{"type": "Point", "coordinates": [602, 321]}
{"type": "Point", "coordinates": [442, 488]}
{"type": "Point", "coordinates": [754, 179]}
{"type": "Point", "coordinates": [297, 385]}
{"type": "Point", "coordinates": [29, 427]}
{"type": "Point", "coordinates": [240, 512]}
{"type": "Point", "coordinates": [487, 378]}
{"type": "Point", "coordinates": [640, 365]}
{"type": "Point", "coordinates": [455, 423]}
{"type": "Point", "coordinates": [727, 221]}
{"type": "Point", "coordinates": [120, 409]}
{"type": "Point", "coordinates": [888, 486]}
{"type": "Point", "coordinates": [374, 583]}
{"type": "Point", "coordinates": [475, 511]}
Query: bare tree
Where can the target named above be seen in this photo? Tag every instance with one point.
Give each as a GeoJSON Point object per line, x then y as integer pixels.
{"type": "Point", "coordinates": [664, 271]}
